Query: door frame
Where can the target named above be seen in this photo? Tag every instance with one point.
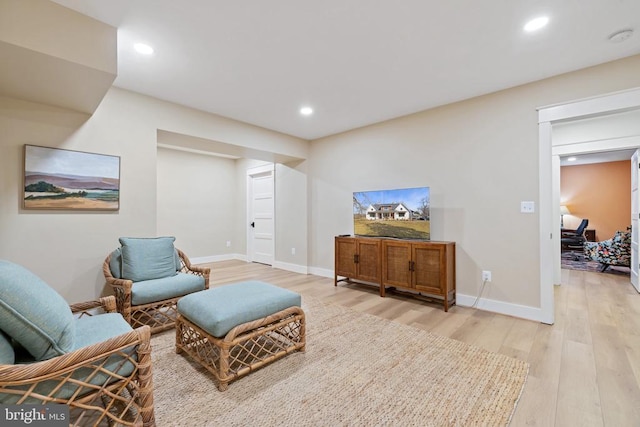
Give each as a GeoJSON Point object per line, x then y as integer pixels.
{"type": "Point", "coordinates": [549, 191]}
{"type": "Point", "coordinates": [635, 205]}
{"type": "Point", "coordinates": [252, 172]}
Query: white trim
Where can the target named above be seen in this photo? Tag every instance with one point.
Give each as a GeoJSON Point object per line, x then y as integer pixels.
{"type": "Point", "coordinates": [296, 268]}
{"type": "Point", "coordinates": [546, 204]}
{"type": "Point", "coordinates": [322, 272]}
{"type": "Point", "coordinates": [600, 105]}
{"type": "Point", "coordinates": [583, 108]}
{"type": "Point", "coordinates": [256, 170]}
{"type": "Point", "coordinates": [501, 307]}
{"type": "Point", "coordinates": [555, 238]}
{"type": "Point", "coordinates": [217, 258]}
{"type": "Point", "coordinates": [611, 144]}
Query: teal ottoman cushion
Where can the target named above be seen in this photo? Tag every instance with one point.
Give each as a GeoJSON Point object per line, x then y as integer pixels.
{"type": "Point", "coordinates": [34, 314]}
{"type": "Point", "coordinates": [219, 310]}
{"type": "Point", "coordinates": [148, 258]}
{"type": "Point", "coordinates": [168, 287]}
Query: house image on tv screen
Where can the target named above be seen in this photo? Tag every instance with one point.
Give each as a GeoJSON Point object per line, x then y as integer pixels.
{"type": "Point", "coordinates": [400, 213]}
{"type": "Point", "coordinates": [391, 211]}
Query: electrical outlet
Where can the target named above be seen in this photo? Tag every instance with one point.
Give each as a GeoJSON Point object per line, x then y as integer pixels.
{"type": "Point", "coordinates": [486, 276]}
{"type": "Point", "coordinates": [293, 251]}
{"type": "Point", "coordinates": [228, 243]}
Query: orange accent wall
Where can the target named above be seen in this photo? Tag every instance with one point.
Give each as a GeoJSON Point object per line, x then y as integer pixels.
{"type": "Point", "coordinates": [600, 192]}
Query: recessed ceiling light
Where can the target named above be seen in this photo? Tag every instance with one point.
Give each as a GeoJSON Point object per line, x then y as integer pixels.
{"type": "Point", "coordinates": [536, 24]}
{"type": "Point", "coordinates": [306, 111]}
{"type": "Point", "coordinates": [142, 48]}
{"type": "Point", "coordinates": [571, 159]}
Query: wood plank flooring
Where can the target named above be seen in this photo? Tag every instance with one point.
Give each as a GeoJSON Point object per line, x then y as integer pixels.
{"type": "Point", "coordinates": [585, 369]}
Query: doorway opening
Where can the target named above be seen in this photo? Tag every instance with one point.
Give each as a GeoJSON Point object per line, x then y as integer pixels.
{"type": "Point", "coordinates": [549, 177]}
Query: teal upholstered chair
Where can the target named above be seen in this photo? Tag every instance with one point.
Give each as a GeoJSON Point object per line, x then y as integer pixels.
{"type": "Point", "coordinates": [148, 276]}
{"type": "Point", "coordinates": [84, 355]}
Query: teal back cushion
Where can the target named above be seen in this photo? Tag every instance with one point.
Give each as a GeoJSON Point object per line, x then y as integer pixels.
{"type": "Point", "coordinates": [147, 258]}
{"type": "Point", "coordinates": [34, 314]}
{"type": "Point", "coordinates": [115, 263]}
{"type": "Point", "coordinates": [7, 355]}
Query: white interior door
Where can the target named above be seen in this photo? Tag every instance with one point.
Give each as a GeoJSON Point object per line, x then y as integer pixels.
{"type": "Point", "coordinates": [635, 211]}
{"type": "Point", "coordinates": [260, 213]}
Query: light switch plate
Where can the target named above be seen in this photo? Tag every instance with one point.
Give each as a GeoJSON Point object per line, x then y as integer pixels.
{"type": "Point", "coordinates": [527, 207]}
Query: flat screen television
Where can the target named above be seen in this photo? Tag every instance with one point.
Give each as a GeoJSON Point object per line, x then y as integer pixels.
{"type": "Point", "coordinates": [401, 213]}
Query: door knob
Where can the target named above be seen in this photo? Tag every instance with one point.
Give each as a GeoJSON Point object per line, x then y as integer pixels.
{"type": "Point", "coordinates": [253, 224]}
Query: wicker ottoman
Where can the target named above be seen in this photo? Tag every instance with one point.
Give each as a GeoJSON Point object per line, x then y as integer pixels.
{"type": "Point", "coordinates": [234, 329]}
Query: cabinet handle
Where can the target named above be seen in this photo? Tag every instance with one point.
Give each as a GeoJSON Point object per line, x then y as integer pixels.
{"type": "Point", "coordinates": [410, 266]}
{"type": "Point", "coordinates": [413, 266]}
{"type": "Point", "coordinates": [356, 258]}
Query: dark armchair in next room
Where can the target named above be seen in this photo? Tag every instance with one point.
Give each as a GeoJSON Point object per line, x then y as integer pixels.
{"type": "Point", "coordinates": [574, 241]}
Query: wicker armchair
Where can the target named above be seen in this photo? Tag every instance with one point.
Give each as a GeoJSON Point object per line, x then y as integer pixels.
{"type": "Point", "coordinates": [160, 313]}
{"type": "Point", "coordinates": [105, 383]}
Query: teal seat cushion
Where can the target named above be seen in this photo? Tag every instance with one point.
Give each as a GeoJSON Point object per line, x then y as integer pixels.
{"type": "Point", "coordinates": [147, 258]}
{"type": "Point", "coordinates": [7, 355]}
{"type": "Point", "coordinates": [169, 287]}
{"type": "Point", "coordinates": [94, 329]}
{"type": "Point", "coordinates": [220, 309]}
{"type": "Point", "coordinates": [89, 330]}
{"type": "Point", "coordinates": [34, 314]}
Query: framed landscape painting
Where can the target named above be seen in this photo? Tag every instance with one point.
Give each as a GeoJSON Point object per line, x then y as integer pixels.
{"type": "Point", "coordinates": [71, 180]}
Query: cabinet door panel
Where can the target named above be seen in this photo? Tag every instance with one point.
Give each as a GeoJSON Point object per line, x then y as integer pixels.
{"type": "Point", "coordinates": [427, 274]}
{"type": "Point", "coordinates": [368, 265]}
{"type": "Point", "coordinates": [345, 256]}
{"type": "Point", "coordinates": [396, 262]}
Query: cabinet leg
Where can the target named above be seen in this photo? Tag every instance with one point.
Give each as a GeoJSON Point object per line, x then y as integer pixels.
{"type": "Point", "coordinates": [382, 290]}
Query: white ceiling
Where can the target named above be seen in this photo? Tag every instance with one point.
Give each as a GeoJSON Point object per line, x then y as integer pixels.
{"type": "Point", "coordinates": [356, 62]}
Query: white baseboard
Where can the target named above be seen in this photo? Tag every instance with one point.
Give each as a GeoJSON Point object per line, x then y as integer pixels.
{"type": "Point", "coordinates": [515, 310]}
{"type": "Point", "coordinates": [217, 258]}
{"type": "Point", "coordinates": [296, 268]}
{"type": "Point", "coordinates": [509, 309]}
{"type": "Point", "coordinates": [322, 272]}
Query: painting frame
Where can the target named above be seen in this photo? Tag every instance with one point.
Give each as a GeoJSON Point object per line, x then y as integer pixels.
{"type": "Point", "coordinates": [62, 179]}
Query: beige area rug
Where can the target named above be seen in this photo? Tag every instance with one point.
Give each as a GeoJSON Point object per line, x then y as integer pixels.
{"type": "Point", "coordinates": [358, 370]}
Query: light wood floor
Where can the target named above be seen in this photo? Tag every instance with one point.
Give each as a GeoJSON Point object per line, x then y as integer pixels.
{"type": "Point", "coordinates": [585, 369]}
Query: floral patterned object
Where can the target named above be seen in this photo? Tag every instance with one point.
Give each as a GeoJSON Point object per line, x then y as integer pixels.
{"type": "Point", "coordinates": [615, 251]}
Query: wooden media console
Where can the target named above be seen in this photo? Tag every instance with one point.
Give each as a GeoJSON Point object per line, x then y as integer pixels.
{"type": "Point", "coordinates": [424, 268]}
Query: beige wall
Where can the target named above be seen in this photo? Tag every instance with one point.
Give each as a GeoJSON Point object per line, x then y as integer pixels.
{"type": "Point", "coordinates": [196, 204]}
{"type": "Point", "coordinates": [291, 216]}
{"type": "Point", "coordinates": [600, 192]}
{"type": "Point", "coordinates": [67, 249]}
{"type": "Point", "coordinates": [480, 159]}
{"type": "Point", "coordinates": [478, 156]}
